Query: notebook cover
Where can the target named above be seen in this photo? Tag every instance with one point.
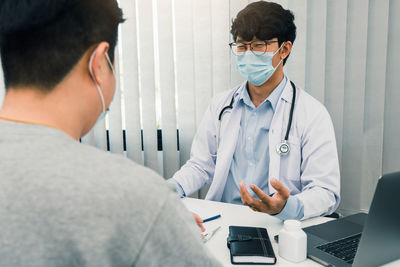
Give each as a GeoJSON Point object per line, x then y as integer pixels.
{"type": "Point", "coordinates": [250, 241]}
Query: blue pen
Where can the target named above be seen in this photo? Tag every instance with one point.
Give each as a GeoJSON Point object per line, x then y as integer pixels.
{"type": "Point", "coordinates": [212, 218]}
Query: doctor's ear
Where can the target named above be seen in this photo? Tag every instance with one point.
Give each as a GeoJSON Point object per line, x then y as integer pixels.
{"type": "Point", "coordinates": [286, 49]}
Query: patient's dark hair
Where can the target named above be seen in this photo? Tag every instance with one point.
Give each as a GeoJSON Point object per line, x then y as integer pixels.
{"type": "Point", "coordinates": [264, 20]}
{"type": "Point", "coordinates": [42, 40]}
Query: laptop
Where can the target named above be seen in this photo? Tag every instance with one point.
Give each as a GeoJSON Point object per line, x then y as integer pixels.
{"type": "Point", "coordinates": [361, 240]}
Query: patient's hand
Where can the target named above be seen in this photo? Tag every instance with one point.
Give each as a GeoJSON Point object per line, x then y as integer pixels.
{"type": "Point", "coordinates": [271, 205]}
{"type": "Point", "coordinates": [199, 221]}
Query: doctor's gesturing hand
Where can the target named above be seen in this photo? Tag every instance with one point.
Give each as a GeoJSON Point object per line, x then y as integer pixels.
{"type": "Point", "coordinates": [268, 204]}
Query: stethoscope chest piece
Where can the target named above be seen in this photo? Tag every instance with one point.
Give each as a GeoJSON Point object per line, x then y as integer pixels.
{"type": "Point", "coordinates": [283, 148]}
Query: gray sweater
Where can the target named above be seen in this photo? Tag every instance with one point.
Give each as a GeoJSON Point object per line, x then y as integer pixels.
{"type": "Point", "coordinates": [63, 203]}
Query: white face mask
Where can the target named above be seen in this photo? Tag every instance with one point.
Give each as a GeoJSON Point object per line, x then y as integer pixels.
{"type": "Point", "coordinates": [104, 112]}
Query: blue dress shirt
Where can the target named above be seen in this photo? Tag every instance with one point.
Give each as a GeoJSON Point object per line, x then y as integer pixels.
{"type": "Point", "coordinates": [250, 163]}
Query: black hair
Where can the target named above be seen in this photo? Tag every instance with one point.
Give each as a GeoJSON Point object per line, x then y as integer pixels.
{"type": "Point", "coordinates": [42, 40]}
{"type": "Point", "coordinates": [265, 21]}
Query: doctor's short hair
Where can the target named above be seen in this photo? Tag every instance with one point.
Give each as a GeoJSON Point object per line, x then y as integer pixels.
{"type": "Point", "coordinates": [42, 40]}
{"type": "Point", "coordinates": [265, 21]}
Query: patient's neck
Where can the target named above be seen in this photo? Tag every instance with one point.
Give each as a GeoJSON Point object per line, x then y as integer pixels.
{"type": "Point", "coordinates": [28, 105]}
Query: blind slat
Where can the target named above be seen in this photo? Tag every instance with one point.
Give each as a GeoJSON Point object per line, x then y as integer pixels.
{"type": "Point", "coordinates": [184, 59]}
{"type": "Point", "coordinates": [130, 82]}
{"type": "Point", "coordinates": [335, 66]}
{"type": "Point", "coordinates": [356, 52]}
{"type": "Point", "coordinates": [203, 71]}
{"type": "Point", "coordinates": [147, 82]}
{"type": "Point", "coordinates": [374, 97]}
{"type": "Point", "coordinates": [203, 74]}
{"type": "Point", "coordinates": [391, 140]}
{"type": "Point", "coordinates": [316, 45]}
{"type": "Point", "coordinates": [296, 63]}
{"type": "Point", "coordinates": [167, 87]}
{"type": "Point", "coordinates": [220, 31]}
{"type": "Point", "coordinates": [114, 115]}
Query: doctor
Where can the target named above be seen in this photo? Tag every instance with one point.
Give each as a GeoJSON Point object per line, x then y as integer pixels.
{"type": "Point", "coordinates": [267, 132]}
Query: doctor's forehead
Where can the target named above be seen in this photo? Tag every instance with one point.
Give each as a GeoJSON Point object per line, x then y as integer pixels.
{"type": "Point", "coordinates": [240, 39]}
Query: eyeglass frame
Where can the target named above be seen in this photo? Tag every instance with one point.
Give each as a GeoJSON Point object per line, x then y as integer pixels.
{"type": "Point", "coordinates": [267, 42]}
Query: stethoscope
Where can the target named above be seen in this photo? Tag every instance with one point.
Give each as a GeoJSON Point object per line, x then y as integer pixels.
{"type": "Point", "coordinates": [283, 147]}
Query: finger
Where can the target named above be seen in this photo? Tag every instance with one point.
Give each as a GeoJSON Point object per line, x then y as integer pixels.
{"type": "Point", "coordinates": [199, 221]}
{"type": "Point", "coordinates": [243, 190]}
{"type": "Point", "coordinates": [254, 209]}
{"type": "Point", "coordinates": [201, 226]}
{"type": "Point", "coordinates": [258, 205]}
{"type": "Point", "coordinates": [241, 184]}
{"type": "Point", "coordinates": [196, 217]}
{"type": "Point", "coordinates": [246, 197]}
{"type": "Point", "coordinates": [264, 197]}
{"type": "Point", "coordinates": [282, 190]}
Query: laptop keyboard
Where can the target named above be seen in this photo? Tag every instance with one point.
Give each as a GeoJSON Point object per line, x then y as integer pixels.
{"type": "Point", "coordinates": [344, 248]}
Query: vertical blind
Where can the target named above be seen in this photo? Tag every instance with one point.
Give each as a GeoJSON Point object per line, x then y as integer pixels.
{"type": "Point", "coordinates": [173, 56]}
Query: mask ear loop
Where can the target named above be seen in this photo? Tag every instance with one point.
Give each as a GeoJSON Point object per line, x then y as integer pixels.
{"type": "Point", "coordinates": [115, 77]}
{"type": "Point", "coordinates": [94, 79]}
{"type": "Point", "coordinates": [281, 59]}
{"type": "Point", "coordinates": [109, 63]}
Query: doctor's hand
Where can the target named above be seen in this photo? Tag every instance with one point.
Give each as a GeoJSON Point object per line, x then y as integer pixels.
{"type": "Point", "coordinates": [271, 205]}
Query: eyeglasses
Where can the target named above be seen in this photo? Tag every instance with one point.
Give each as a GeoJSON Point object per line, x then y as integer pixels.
{"type": "Point", "coordinates": [257, 47]}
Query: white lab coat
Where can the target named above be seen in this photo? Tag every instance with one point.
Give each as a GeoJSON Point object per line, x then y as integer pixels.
{"type": "Point", "coordinates": [310, 171]}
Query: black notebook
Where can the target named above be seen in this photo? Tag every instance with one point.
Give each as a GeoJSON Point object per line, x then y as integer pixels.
{"type": "Point", "coordinates": [250, 245]}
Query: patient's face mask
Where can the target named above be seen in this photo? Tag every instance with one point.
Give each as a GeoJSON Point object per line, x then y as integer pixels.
{"type": "Point", "coordinates": [105, 111]}
{"type": "Point", "coordinates": [257, 69]}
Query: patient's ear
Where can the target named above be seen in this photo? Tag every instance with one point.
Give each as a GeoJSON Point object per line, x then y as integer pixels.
{"type": "Point", "coordinates": [98, 64]}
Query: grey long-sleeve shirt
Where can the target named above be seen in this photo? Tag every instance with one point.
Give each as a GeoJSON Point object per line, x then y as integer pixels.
{"type": "Point", "coordinates": [63, 203]}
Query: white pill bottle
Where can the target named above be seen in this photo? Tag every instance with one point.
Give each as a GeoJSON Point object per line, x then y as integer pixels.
{"type": "Point", "coordinates": [292, 242]}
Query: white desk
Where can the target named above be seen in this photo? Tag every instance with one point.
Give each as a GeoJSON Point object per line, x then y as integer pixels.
{"type": "Point", "coordinates": [243, 216]}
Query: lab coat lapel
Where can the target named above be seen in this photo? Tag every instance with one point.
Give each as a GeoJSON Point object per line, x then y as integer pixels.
{"type": "Point", "coordinates": [277, 134]}
{"type": "Point", "coordinates": [228, 139]}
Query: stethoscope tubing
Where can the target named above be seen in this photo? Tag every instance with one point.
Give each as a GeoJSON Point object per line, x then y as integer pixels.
{"type": "Point", "coordinates": [230, 106]}
{"type": "Point", "coordinates": [291, 111]}
{"type": "Point", "coordinates": [285, 141]}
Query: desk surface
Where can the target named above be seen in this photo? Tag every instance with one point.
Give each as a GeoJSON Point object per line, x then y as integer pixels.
{"type": "Point", "coordinates": [243, 216]}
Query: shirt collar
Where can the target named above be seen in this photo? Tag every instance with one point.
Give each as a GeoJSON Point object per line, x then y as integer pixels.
{"type": "Point", "coordinates": [273, 98]}
{"type": "Point", "coordinates": [277, 92]}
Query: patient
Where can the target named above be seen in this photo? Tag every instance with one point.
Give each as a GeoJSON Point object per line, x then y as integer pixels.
{"type": "Point", "coordinates": [63, 203]}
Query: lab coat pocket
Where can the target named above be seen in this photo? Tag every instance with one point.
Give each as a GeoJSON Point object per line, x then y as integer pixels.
{"type": "Point", "coordinates": [290, 165]}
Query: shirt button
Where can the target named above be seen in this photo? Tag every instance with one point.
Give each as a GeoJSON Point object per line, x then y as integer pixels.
{"type": "Point", "coordinates": [251, 163]}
